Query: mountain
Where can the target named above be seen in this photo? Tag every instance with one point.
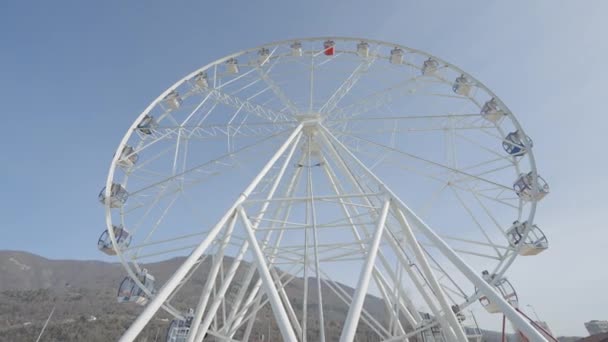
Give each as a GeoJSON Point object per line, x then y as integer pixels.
{"type": "Point", "coordinates": [83, 294]}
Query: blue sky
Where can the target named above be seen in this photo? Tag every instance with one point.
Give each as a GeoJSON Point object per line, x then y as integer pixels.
{"type": "Point", "coordinates": [74, 75]}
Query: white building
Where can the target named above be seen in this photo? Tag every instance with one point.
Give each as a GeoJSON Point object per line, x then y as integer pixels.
{"type": "Point", "coordinates": [596, 327]}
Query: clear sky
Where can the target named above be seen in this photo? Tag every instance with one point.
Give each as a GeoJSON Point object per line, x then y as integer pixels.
{"type": "Point", "coordinates": [74, 75]}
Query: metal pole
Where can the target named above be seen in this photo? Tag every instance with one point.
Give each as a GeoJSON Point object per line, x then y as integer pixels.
{"type": "Point", "coordinates": [354, 312]}
{"type": "Point", "coordinates": [183, 270]}
{"type": "Point", "coordinates": [273, 295]}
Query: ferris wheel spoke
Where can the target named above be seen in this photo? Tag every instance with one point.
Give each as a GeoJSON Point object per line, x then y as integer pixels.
{"type": "Point", "coordinates": [396, 129]}
{"type": "Point", "coordinates": [484, 147]}
{"type": "Point", "coordinates": [444, 182]}
{"type": "Point", "coordinates": [219, 132]}
{"type": "Point", "coordinates": [373, 101]}
{"type": "Point", "coordinates": [440, 165]}
{"type": "Point", "coordinates": [165, 252]}
{"type": "Point", "coordinates": [255, 109]}
{"type": "Point", "coordinates": [227, 83]}
{"type": "Point", "coordinates": [279, 93]}
{"type": "Point", "coordinates": [215, 161]}
{"type": "Point", "coordinates": [467, 252]}
{"type": "Point", "coordinates": [486, 172]}
{"type": "Point", "coordinates": [347, 85]}
{"type": "Point", "coordinates": [488, 213]}
{"type": "Point", "coordinates": [489, 162]}
{"type": "Point", "coordinates": [156, 224]}
{"type": "Point", "coordinates": [476, 221]}
{"type": "Point", "coordinates": [413, 116]}
{"type": "Point", "coordinates": [163, 241]}
{"type": "Point", "coordinates": [476, 243]}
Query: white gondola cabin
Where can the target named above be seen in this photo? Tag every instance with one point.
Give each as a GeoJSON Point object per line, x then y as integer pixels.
{"type": "Point", "coordinates": [504, 288]}
{"type": "Point", "coordinates": [329, 48]}
{"type": "Point", "coordinates": [127, 157]}
{"type": "Point", "coordinates": [515, 143]}
{"type": "Point", "coordinates": [130, 292]}
{"type": "Point", "coordinates": [535, 243]}
{"type": "Point", "coordinates": [179, 328]}
{"type": "Point", "coordinates": [491, 111]}
{"type": "Point", "coordinates": [118, 196]}
{"type": "Point", "coordinates": [232, 66]}
{"type": "Point", "coordinates": [147, 125]}
{"type": "Point", "coordinates": [172, 101]}
{"type": "Point", "coordinates": [429, 67]}
{"type": "Point", "coordinates": [122, 236]}
{"type": "Point", "coordinates": [201, 80]}
{"type": "Point", "coordinates": [462, 85]}
{"type": "Point", "coordinates": [296, 49]}
{"type": "Point", "coordinates": [363, 49]}
{"type": "Point", "coordinates": [524, 187]}
{"type": "Point", "coordinates": [263, 55]}
{"type": "Point", "coordinates": [396, 56]}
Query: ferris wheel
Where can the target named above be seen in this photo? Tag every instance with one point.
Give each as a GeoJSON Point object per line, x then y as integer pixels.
{"type": "Point", "coordinates": [300, 168]}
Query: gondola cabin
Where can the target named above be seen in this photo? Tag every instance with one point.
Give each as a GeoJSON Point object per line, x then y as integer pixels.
{"type": "Point", "coordinates": [130, 292]}
{"type": "Point", "coordinates": [118, 196]}
{"type": "Point", "coordinates": [201, 80]}
{"type": "Point", "coordinates": [127, 157]}
{"type": "Point", "coordinates": [524, 187]}
{"type": "Point", "coordinates": [122, 236]}
{"type": "Point", "coordinates": [147, 125]}
{"type": "Point", "coordinates": [329, 48]}
{"type": "Point", "coordinates": [396, 56]}
{"type": "Point", "coordinates": [232, 66]}
{"type": "Point", "coordinates": [429, 67]}
{"type": "Point", "coordinates": [363, 49]}
{"type": "Point", "coordinates": [504, 287]}
{"type": "Point", "coordinates": [515, 143]}
{"type": "Point", "coordinates": [263, 56]}
{"type": "Point", "coordinates": [462, 86]}
{"type": "Point", "coordinates": [172, 101]}
{"type": "Point", "coordinates": [534, 243]}
{"type": "Point", "coordinates": [491, 111]}
{"type": "Point", "coordinates": [296, 49]}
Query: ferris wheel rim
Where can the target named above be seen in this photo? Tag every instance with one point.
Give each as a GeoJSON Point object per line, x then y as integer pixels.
{"type": "Point", "coordinates": [114, 164]}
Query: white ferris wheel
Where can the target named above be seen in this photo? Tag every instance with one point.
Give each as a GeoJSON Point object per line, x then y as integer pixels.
{"type": "Point", "coordinates": [298, 168]}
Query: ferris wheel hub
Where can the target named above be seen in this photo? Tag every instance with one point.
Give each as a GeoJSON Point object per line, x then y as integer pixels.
{"type": "Point", "coordinates": [308, 119]}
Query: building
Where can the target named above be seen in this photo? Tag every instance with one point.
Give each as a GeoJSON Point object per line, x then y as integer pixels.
{"type": "Point", "coordinates": [596, 327]}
